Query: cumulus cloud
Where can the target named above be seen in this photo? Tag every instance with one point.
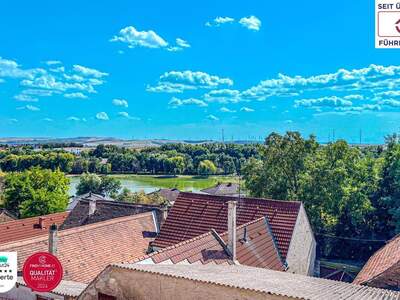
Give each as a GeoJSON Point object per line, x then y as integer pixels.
{"type": "Point", "coordinates": [75, 96]}
{"type": "Point", "coordinates": [219, 20]}
{"type": "Point", "coordinates": [178, 81]}
{"type": "Point", "coordinates": [102, 116]}
{"type": "Point", "coordinates": [127, 115]}
{"type": "Point", "coordinates": [331, 101]}
{"type": "Point", "coordinates": [29, 107]}
{"type": "Point", "coordinates": [135, 38]}
{"type": "Point", "coordinates": [182, 43]}
{"type": "Point", "coordinates": [227, 110]}
{"type": "Point", "coordinates": [120, 102]}
{"type": "Point", "coordinates": [246, 109]}
{"type": "Point", "coordinates": [359, 109]}
{"type": "Point", "coordinates": [25, 98]}
{"type": "Point", "coordinates": [175, 102]}
{"type": "Point", "coordinates": [223, 96]}
{"type": "Point", "coordinates": [390, 102]}
{"type": "Point", "coordinates": [53, 62]}
{"type": "Point", "coordinates": [251, 22]}
{"type": "Point", "coordinates": [372, 77]}
{"type": "Point", "coordinates": [88, 72]}
{"type": "Point", "coordinates": [10, 68]}
{"type": "Point", "coordinates": [212, 118]}
{"type": "Point", "coordinates": [48, 120]}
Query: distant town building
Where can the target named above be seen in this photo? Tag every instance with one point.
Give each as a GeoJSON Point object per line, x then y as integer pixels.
{"type": "Point", "coordinates": [156, 282]}
{"type": "Point", "coordinates": [6, 216]}
{"type": "Point", "coordinates": [223, 189]}
{"type": "Point", "coordinates": [88, 196]}
{"type": "Point", "coordinates": [196, 214]}
{"type": "Point", "coordinates": [383, 268]}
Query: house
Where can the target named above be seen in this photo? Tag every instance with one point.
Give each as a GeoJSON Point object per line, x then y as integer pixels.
{"type": "Point", "coordinates": [86, 250]}
{"type": "Point", "coordinates": [254, 246]}
{"type": "Point", "coordinates": [223, 189]}
{"type": "Point", "coordinates": [203, 282]}
{"type": "Point", "coordinates": [168, 194]}
{"type": "Point", "coordinates": [16, 230]}
{"type": "Point", "coordinates": [6, 216]}
{"type": "Point", "coordinates": [383, 268]}
{"type": "Point", "coordinates": [196, 214]}
{"type": "Point", "coordinates": [94, 209]}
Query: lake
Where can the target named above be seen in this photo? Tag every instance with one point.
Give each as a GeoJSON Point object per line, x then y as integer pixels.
{"type": "Point", "coordinates": [148, 183]}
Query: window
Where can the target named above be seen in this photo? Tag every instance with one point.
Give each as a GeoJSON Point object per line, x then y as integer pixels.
{"type": "Point", "coordinates": [105, 297]}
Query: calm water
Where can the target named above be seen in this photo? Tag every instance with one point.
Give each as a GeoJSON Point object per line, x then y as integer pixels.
{"type": "Point", "coordinates": [149, 186]}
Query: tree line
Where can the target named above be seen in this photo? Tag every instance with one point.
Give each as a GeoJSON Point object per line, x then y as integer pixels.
{"type": "Point", "coordinates": [202, 159]}
{"type": "Point", "coordinates": [351, 194]}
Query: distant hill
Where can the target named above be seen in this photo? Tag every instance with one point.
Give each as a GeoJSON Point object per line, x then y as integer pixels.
{"type": "Point", "coordinates": [94, 141]}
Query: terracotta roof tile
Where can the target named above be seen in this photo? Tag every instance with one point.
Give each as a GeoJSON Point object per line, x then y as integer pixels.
{"type": "Point", "coordinates": [86, 250]}
{"type": "Point", "coordinates": [195, 214]}
{"type": "Point", "coordinates": [29, 228]}
{"type": "Point", "coordinates": [256, 248]}
{"type": "Point", "coordinates": [383, 268]}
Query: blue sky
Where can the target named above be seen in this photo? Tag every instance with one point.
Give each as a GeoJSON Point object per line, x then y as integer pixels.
{"type": "Point", "coordinates": [187, 70]}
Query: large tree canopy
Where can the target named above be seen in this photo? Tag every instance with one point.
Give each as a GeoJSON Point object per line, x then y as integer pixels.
{"type": "Point", "coordinates": [36, 192]}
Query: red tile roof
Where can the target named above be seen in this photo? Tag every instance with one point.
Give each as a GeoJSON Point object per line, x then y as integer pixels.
{"type": "Point", "coordinates": [383, 268]}
{"type": "Point", "coordinates": [256, 249]}
{"type": "Point", "coordinates": [29, 228]}
{"type": "Point", "coordinates": [86, 250]}
{"type": "Point", "coordinates": [195, 214]}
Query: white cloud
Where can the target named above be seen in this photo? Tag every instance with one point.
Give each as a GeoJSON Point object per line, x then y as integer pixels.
{"type": "Point", "coordinates": [223, 96]}
{"type": "Point", "coordinates": [219, 20]}
{"type": "Point", "coordinates": [25, 98]}
{"type": "Point", "coordinates": [251, 22]}
{"type": "Point", "coordinates": [72, 118]}
{"type": "Point", "coordinates": [75, 96]}
{"type": "Point", "coordinates": [331, 101]}
{"type": "Point", "coordinates": [53, 62]}
{"type": "Point", "coordinates": [89, 72]}
{"type": "Point", "coordinates": [288, 121]}
{"type": "Point", "coordinates": [227, 110]}
{"type": "Point", "coordinates": [390, 102]}
{"type": "Point", "coordinates": [212, 118]}
{"type": "Point", "coordinates": [182, 43]}
{"type": "Point", "coordinates": [135, 38]}
{"type": "Point", "coordinates": [29, 107]}
{"type": "Point", "coordinates": [120, 102]}
{"type": "Point", "coordinates": [127, 116]}
{"type": "Point", "coordinates": [11, 69]}
{"type": "Point", "coordinates": [102, 116]}
{"type": "Point", "coordinates": [50, 82]}
{"type": "Point", "coordinates": [372, 77]}
{"type": "Point", "coordinates": [48, 120]}
{"type": "Point", "coordinates": [175, 102]}
{"type": "Point", "coordinates": [353, 97]}
{"type": "Point", "coordinates": [178, 81]}
{"type": "Point", "coordinates": [246, 109]}
{"type": "Point", "coordinates": [359, 109]}
{"type": "Point", "coordinates": [58, 70]}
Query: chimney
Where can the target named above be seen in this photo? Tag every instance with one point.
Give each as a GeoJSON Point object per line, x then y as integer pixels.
{"type": "Point", "coordinates": [92, 207]}
{"type": "Point", "coordinates": [232, 228]}
{"type": "Point", "coordinates": [53, 239]}
{"type": "Point", "coordinates": [42, 223]}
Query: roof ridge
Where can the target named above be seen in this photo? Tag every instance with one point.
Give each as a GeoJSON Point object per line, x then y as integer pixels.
{"type": "Point", "coordinates": [120, 203]}
{"type": "Point", "coordinates": [32, 218]}
{"type": "Point", "coordinates": [241, 198]}
{"type": "Point", "coordinates": [173, 246]}
{"type": "Point", "coordinates": [73, 230]}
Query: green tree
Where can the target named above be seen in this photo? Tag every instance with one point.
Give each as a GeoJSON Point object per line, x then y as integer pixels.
{"type": "Point", "coordinates": [207, 167]}
{"type": "Point", "coordinates": [283, 161]}
{"type": "Point", "coordinates": [36, 192]}
{"type": "Point", "coordinates": [94, 183]}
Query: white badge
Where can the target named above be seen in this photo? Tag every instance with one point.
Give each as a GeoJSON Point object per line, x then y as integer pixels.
{"type": "Point", "coordinates": [8, 271]}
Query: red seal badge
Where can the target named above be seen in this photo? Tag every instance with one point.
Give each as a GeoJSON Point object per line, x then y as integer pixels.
{"type": "Point", "coordinates": [42, 272]}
